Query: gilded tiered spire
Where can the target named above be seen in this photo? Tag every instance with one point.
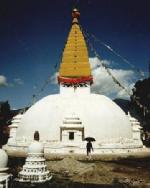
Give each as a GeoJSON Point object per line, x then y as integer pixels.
{"type": "Point", "coordinates": [75, 61]}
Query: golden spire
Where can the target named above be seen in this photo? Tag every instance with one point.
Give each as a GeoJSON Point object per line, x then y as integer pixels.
{"type": "Point", "coordinates": [75, 61]}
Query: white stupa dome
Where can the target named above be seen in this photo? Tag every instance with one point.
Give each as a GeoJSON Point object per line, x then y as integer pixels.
{"type": "Point", "coordinates": [36, 147]}
{"type": "Point", "coordinates": [3, 159]}
{"type": "Point", "coordinates": [100, 116]}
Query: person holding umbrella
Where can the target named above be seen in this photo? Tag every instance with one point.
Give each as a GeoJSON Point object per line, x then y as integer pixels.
{"type": "Point", "coordinates": [89, 146]}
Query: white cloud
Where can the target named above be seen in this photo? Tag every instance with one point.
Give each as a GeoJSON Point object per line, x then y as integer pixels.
{"type": "Point", "coordinates": [53, 78]}
{"type": "Point", "coordinates": [3, 81]}
{"type": "Point", "coordinates": [18, 81]}
{"type": "Point", "coordinates": [103, 83]}
{"type": "Point", "coordinates": [95, 62]}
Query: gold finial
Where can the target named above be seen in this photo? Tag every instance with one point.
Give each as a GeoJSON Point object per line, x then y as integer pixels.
{"type": "Point", "coordinates": [75, 16]}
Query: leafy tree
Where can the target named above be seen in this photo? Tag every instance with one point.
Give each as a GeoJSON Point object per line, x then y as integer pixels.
{"type": "Point", "coordinates": [140, 101]}
{"type": "Point", "coordinates": [5, 115]}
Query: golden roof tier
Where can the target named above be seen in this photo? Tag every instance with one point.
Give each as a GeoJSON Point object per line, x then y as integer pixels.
{"type": "Point", "coordinates": [75, 66]}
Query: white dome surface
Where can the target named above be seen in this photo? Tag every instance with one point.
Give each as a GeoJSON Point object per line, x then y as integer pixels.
{"type": "Point", "coordinates": [3, 159]}
{"type": "Point", "coordinates": [100, 116]}
{"type": "Point", "coordinates": [36, 147]}
{"type": "Point", "coordinates": [18, 116]}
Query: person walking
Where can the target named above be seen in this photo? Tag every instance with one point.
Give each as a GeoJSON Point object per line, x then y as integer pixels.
{"type": "Point", "coordinates": [89, 147]}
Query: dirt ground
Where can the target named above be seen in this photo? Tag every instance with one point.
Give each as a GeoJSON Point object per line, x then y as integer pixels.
{"type": "Point", "coordinates": [131, 171]}
{"type": "Point", "coordinates": [78, 171]}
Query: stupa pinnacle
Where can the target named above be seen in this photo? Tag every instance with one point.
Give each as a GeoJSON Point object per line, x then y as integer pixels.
{"type": "Point", "coordinates": [75, 67]}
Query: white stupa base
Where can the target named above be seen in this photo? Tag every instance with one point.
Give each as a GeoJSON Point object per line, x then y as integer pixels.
{"type": "Point", "coordinates": [34, 181]}
{"type": "Point", "coordinates": [78, 147]}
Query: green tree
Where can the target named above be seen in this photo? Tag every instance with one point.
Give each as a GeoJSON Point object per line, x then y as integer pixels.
{"type": "Point", "coordinates": [141, 101]}
{"type": "Point", "coordinates": [5, 115]}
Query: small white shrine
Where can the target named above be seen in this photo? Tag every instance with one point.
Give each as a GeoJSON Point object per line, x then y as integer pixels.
{"type": "Point", "coordinates": [136, 129]}
{"type": "Point", "coordinates": [35, 169]}
{"type": "Point", "coordinates": [4, 176]}
{"type": "Point", "coordinates": [13, 128]}
{"type": "Point", "coordinates": [72, 128]}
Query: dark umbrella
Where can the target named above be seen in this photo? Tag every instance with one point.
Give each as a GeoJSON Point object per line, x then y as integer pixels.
{"type": "Point", "coordinates": [91, 139]}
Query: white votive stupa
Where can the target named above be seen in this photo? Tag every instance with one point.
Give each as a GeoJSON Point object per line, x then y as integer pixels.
{"type": "Point", "coordinates": [35, 168]}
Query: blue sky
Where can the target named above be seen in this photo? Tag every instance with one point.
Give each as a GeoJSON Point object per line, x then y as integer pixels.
{"type": "Point", "coordinates": [33, 34]}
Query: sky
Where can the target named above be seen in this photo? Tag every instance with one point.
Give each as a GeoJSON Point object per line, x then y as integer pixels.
{"type": "Point", "coordinates": [33, 34]}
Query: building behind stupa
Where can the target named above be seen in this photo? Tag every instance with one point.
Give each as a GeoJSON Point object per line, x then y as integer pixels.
{"type": "Point", "coordinates": [64, 120]}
